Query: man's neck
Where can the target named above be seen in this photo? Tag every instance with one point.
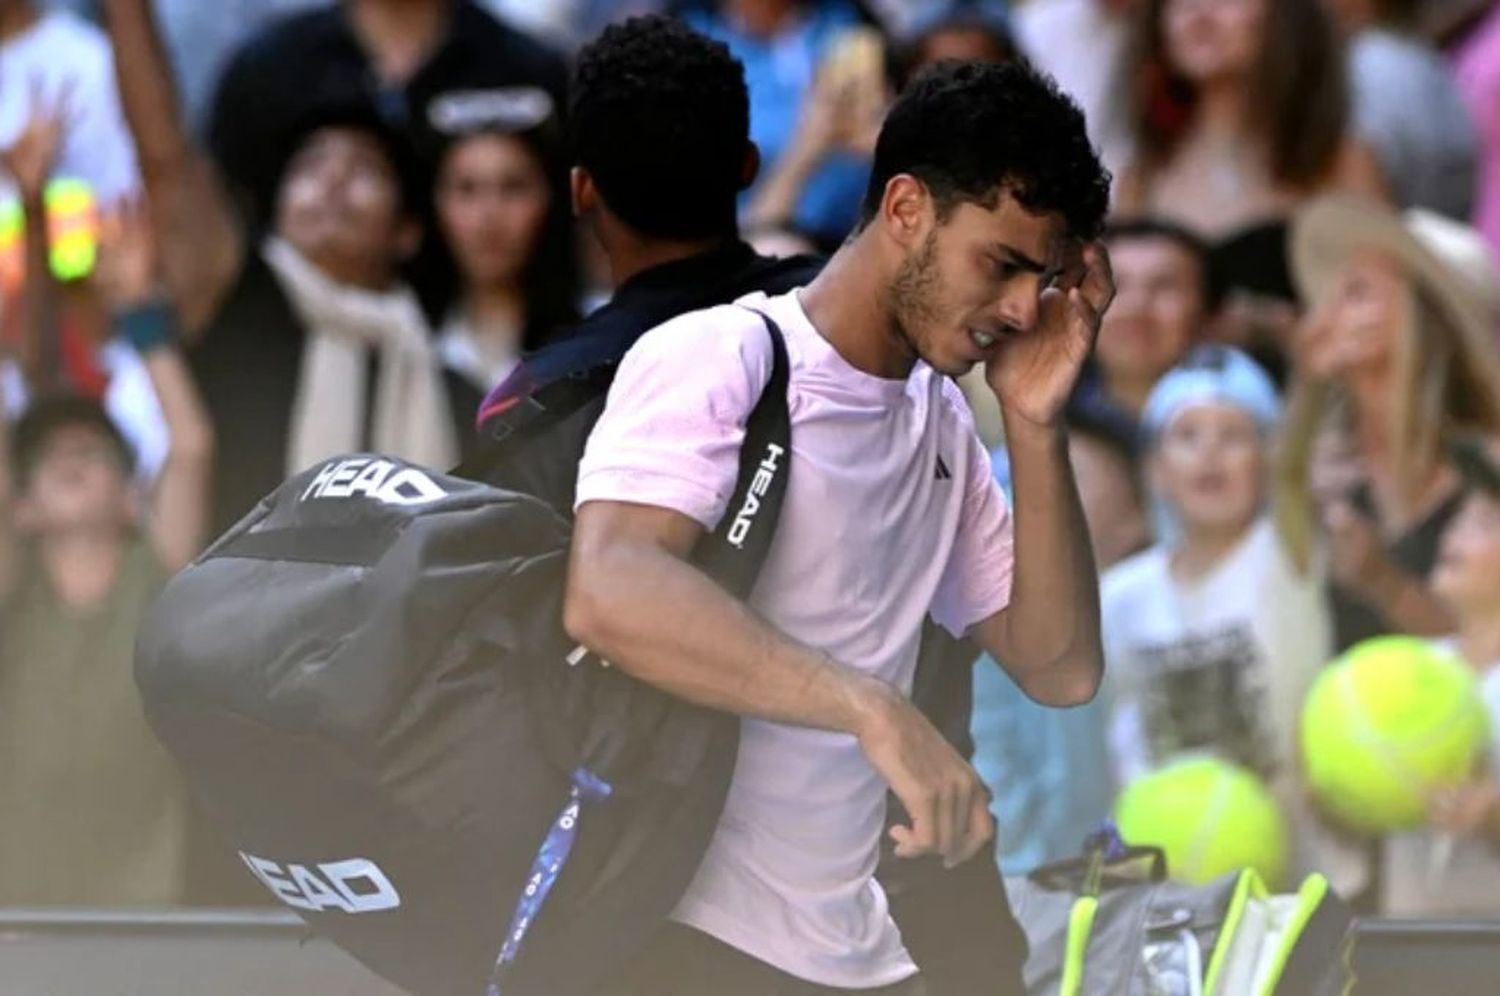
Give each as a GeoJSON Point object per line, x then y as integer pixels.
{"type": "Point", "coordinates": [82, 566]}
{"type": "Point", "coordinates": [399, 35]}
{"type": "Point", "coordinates": [854, 321]}
{"type": "Point", "coordinates": [16, 17]}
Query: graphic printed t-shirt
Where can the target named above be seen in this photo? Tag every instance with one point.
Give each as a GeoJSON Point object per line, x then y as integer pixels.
{"type": "Point", "coordinates": [891, 513]}
{"type": "Point", "coordinates": [1222, 665]}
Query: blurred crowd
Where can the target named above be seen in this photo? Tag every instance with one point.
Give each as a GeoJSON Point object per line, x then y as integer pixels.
{"type": "Point", "coordinates": [240, 237]}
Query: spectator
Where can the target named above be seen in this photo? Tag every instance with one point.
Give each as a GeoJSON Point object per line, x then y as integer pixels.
{"type": "Point", "coordinates": [1397, 354]}
{"type": "Point", "coordinates": [307, 344]}
{"type": "Point", "coordinates": [841, 115]}
{"type": "Point", "coordinates": [1161, 306]}
{"type": "Point", "coordinates": [783, 45]}
{"type": "Point", "coordinates": [1084, 45]}
{"type": "Point", "coordinates": [414, 60]}
{"type": "Point", "coordinates": [94, 812]}
{"type": "Point", "coordinates": [1476, 70]}
{"type": "Point", "coordinates": [1451, 868]}
{"type": "Point", "coordinates": [1407, 108]}
{"type": "Point", "coordinates": [1239, 112]}
{"type": "Point", "coordinates": [1213, 636]}
{"type": "Point", "coordinates": [52, 55]}
{"type": "Point", "coordinates": [504, 214]}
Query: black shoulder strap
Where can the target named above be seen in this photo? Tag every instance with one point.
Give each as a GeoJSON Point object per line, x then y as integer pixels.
{"type": "Point", "coordinates": [734, 553]}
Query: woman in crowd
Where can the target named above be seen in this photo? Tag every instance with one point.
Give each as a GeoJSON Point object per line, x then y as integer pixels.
{"type": "Point", "coordinates": [1397, 355]}
{"type": "Point", "coordinates": [1452, 866]}
{"type": "Point", "coordinates": [503, 212]}
{"type": "Point", "coordinates": [1240, 111]}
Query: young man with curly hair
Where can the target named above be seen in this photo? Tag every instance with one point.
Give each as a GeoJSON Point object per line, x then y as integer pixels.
{"type": "Point", "coordinates": [975, 246]}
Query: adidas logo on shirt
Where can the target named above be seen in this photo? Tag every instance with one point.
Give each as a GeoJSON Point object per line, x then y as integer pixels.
{"type": "Point", "coordinates": [943, 473]}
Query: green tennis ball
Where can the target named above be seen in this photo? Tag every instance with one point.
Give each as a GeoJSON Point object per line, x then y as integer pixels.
{"type": "Point", "coordinates": [1384, 725]}
{"type": "Point", "coordinates": [1210, 817]}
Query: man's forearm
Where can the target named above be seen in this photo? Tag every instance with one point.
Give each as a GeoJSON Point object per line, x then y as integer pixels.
{"type": "Point", "coordinates": [1051, 636]}
{"type": "Point", "coordinates": [664, 622]}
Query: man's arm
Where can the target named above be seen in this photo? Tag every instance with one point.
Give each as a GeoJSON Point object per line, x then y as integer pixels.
{"type": "Point", "coordinates": [197, 236]}
{"type": "Point", "coordinates": [1047, 638]}
{"type": "Point", "coordinates": [635, 600]}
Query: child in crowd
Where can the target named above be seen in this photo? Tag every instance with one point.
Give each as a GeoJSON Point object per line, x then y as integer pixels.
{"type": "Point", "coordinates": [1211, 636]}
{"type": "Point", "coordinates": [93, 810]}
{"type": "Point", "coordinates": [1452, 868]}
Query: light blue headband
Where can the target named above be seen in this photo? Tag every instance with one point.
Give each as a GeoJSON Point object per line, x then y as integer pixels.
{"type": "Point", "coordinates": [1212, 374]}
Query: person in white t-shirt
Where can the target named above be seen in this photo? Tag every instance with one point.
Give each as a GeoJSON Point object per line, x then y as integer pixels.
{"type": "Point", "coordinates": [1212, 636]}
{"type": "Point", "coordinates": [54, 57]}
{"type": "Point", "coordinates": [1452, 868]}
{"type": "Point", "coordinates": [975, 247]}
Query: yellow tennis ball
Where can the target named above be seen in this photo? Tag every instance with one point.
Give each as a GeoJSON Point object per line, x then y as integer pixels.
{"type": "Point", "coordinates": [1384, 725]}
{"type": "Point", "coordinates": [73, 228]}
{"type": "Point", "coordinates": [1209, 816]}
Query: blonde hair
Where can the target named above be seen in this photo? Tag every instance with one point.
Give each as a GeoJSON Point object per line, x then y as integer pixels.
{"type": "Point", "coordinates": [1444, 380]}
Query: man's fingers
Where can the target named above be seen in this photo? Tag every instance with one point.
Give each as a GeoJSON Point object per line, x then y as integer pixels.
{"type": "Point", "coordinates": [1098, 286]}
{"type": "Point", "coordinates": [980, 829]}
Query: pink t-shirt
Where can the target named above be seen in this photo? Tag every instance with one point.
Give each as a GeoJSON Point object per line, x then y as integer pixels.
{"type": "Point", "coordinates": [891, 513]}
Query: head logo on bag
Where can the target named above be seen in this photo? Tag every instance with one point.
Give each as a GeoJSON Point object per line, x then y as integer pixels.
{"type": "Point", "coordinates": [354, 886]}
{"type": "Point", "coordinates": [370, 477]}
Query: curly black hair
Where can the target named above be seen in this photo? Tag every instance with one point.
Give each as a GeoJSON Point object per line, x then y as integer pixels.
{"type": "Point", "coordinates": [661, 121]}
{"type": "Point", "coordinates": [972, 130]}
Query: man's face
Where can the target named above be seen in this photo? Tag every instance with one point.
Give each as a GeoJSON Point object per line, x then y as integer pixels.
{"type": "Point", "coordinates": [1210, 466]}
{"type": "Point", "coordinates": [1157, 310]}
{"type": "Point", "coordinates": [78, 481]}
{"type": "Point", "coordinates": [972, 280]}
{"type": "Point", "coordinates": [340, 205]}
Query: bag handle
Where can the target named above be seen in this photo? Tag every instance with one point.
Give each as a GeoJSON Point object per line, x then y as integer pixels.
{"type": "Point", "coordinates": [734, 552]}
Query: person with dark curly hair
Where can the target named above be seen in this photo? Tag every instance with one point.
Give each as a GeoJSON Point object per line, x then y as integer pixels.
{"type": "Point", "coordinates": [976, 245]}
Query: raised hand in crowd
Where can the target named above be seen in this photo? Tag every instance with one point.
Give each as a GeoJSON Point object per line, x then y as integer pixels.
{"type": "Point", "coordinates": [841, 113]}
{"type": "Point", "coordinates": [31, 319]}
{"type": "Point", "coordinates": [128, 279]}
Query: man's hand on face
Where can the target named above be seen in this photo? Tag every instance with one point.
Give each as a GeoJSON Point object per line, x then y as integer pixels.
{"type": "Point", "coordinates": [947, 800]}
{"type": "Point", "coordinates": [1034, 373]}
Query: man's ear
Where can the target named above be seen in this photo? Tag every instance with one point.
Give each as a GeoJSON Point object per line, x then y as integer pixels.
{"type": "Point", "coordinates": [907, 212]}
{"type": "Point", "coordinates": [585, 194]}
{"type": "Point", "coordinates": [750, 168]}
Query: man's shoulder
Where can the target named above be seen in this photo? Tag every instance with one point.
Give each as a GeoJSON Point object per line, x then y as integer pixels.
{"type": "Point", "coordinates": [714, 332]}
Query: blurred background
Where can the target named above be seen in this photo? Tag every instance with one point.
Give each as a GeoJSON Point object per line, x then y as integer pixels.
{"type": "Point", "coordinates": [1286, 441]}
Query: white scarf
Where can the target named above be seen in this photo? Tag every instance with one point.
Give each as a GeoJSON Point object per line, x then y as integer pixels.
{"type": "Point", "coordinates": [411, 418]}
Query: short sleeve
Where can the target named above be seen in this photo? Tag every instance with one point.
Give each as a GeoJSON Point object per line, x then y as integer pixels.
{"type": "Point", "coordinates": [976, 582]}
{"type": "Point", "coordinates": [674, 421]}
